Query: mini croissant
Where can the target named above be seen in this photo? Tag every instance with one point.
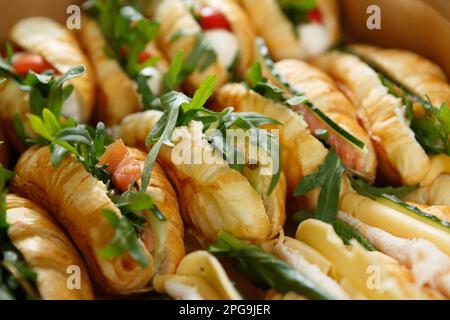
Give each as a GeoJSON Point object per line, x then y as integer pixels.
{"type": "Point", "coordinates": [281, 36]}
{"type": "Point", "coordinates": [213, 197]}
{"type": "Point", "coordinates": [77, 199]}
{"type": "Point", "coordinates": [176, 17]}
{"type": "Point", "coordinates": [118, 94]}
{"type": "Point", "coordinates": [59, 47]}
{"type": "Point", "coordinates": [47, 250]}
{"type": "Point", "coordinates": [402, 160]}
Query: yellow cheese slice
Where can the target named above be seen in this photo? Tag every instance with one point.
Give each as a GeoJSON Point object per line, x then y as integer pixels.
{"type": "Point", "coordinates": [399, 224]}
{"type": "Point", "coordinates": [371, 273]}
{"type": "Point", "coordinates": [202, 271]}
{"type": "Point", "coordinates": [185, 287]}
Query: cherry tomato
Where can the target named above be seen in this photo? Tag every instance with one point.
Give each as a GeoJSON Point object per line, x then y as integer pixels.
{"type": "Point", "coordinates": [315, 16]}
{"type": "Point", "coordinates": [144, 56]}
{"type": "Point", "coordinates": [31, 61]}
{"type": "Point", "coordinates": [211, 18]}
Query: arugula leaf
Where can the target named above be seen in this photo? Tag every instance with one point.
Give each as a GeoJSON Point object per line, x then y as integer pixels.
{"type": "Point", "coordinates": [172, 101]}
{"type": "Point", "coordinates": [285, 94]}
{"type": "Point", "coordinates": [201, 94]}
{"type": "Point", "coordinates": [172, 76]}
{"type": "Point", "coordinates": [264, 269]}
{"type": "Point", "coordinates": [367, 190]}
{"type": "Point", "coordinates": [343, 230]}
{"type": "Point", "coordinates": [125, 30]}
{"type": "Point", "coordinates": [430, 124]}
{"type": "Point", "coordinates": [125, 240]}
{"type": "Point", "coordinates": [347, 233]}
{"type": "Point", "coordinates": [297, 10]}
{"type": "Point", "coordinates": [180, 110]}
{"type": "Point", "coordinates": [328, 178]}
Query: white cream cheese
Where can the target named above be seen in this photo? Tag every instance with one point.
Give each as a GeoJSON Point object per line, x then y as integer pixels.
{"type": "Point", "coordinates": [315, 38]}
{"type": "Point", "coordinates": [225, 44]}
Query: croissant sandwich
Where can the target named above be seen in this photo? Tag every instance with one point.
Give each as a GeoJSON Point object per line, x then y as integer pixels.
{"type": "Point", "coordinates": [124, 54]}
{"type": "Point", "coordinates": [212, 172]}
{"type": "Point", "coordinates": [401, 99]}
{"type": "Point", "coordinates": [38, 257]}
{"type": "Point", "coordinates": [43, 45]}
{"type": "Point", "coordinates": [85, 207]}
{"type": "Point", "coordinates": [216, 36]}
{"type": "Point", "coordinates": [293, 30]}
{"type": "Point", "coordinates": [303, 152]}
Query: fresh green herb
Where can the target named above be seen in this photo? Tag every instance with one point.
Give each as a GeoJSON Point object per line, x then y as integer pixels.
{"type": "Point", "coordinates": [414, 212]}
{"type": "Point", "coordinates": [180, 110]}
{"type": "Point", "coordinates": [282, 92]}
{"type": "Point", "coordinates": [265, 270]}
{"type": "Point", "coordinates": [200, 57]}
{"type": "Point", "coordinates": [362, 187]}
{"type": "Point", "coordinates": [127, 32]}
{"type": "Point", "coordinates": [347, 233]}
{"type": "Point", "coordinates": [329, 179]}
{"type": "Point", "coordinates": [343, 230]}
{"type": "Point", "coordinates": [297, 10]}
{"type": "Point", "coordinates": [430, 124]}
{"type": "Point", "coordinates": [125, 240]}
{"type": "Point", "coordinates": [74, 139]}
{"type": "Point", "coordinates": [390, 197]}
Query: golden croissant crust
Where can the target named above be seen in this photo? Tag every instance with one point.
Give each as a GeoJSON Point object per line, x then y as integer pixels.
{"type": "Point", "coordinates": [47, 250]}
{"type": "Point", "coordinates": [418, 74]}
{"type": "Point", "coordinates": [59, 47]}
{"type": "Point", "coordinates": [322, 92]}
{"type": "Point", "coordinates": [382, 117]}
{"type": "Point", "coordinates": [117, 93]}
{"type": "Point", "coordinates": [301, 152]}
{"type": "Point", "coordinates": [77, 199]}
{"type": "Point", "coordinates": [175, 16]}
{"type": "Point", "coordinates": [213, 197]}
{"type": "Point", "coordinates": [279, 33]}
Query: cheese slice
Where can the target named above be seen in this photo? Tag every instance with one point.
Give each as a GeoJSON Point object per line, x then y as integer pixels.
{"type": "Point", "coordinates": [399, 224]}
{"type": "Point", "coordinates": [373, 274]}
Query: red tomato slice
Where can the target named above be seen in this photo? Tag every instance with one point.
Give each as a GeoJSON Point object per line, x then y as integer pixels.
{"type": "Point", "coordinates": [315, 16]}
{"type": "Point", "coordinates": [114, 155]}
{"type": "Point", "coordinates": [126, 173]}
{"type": "Point", "coordinates": [31, 61]}
{"type": "Point", "coordinates": [144, 56]}
{"type": "Point", "coordinates": [211, 18]}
